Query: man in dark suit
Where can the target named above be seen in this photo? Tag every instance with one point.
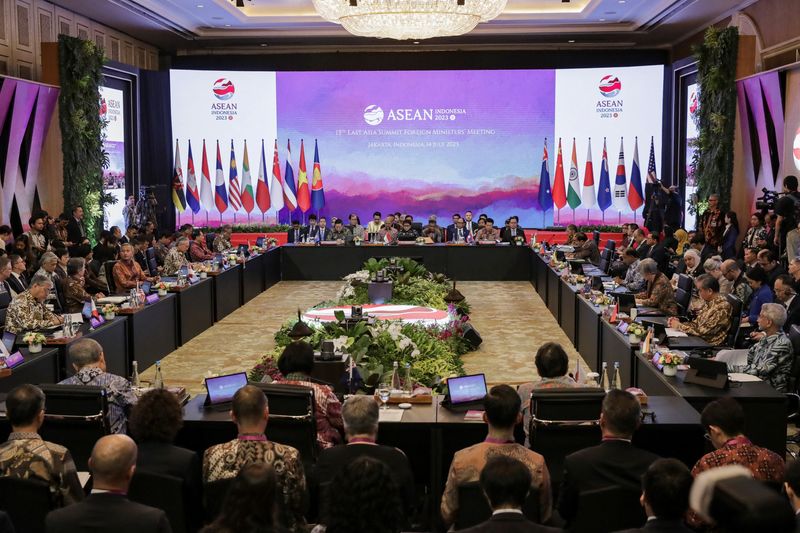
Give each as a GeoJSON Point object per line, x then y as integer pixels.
{"type": "Point", "coordinates": [360, 415]}
{"type": "Point", "coordinates": [296, 233]}
{"type": "Point", "coordinates": [513, 232]}
{"type": "Point", "coordinates": [323, 231]}
{"type": "Point", "coordinates": [665, 497]}
{"type": "Point", "coordinates": [506, 482]}
{"type": "Point", "coordinates": [657, 251]}
{"type": "Point", "coordinates": [17, 280]}
{"type": "Point", "coordinates": [312, 229]}
{"type": "Point", "coordinates": [469, 224]}
{"type": "Point", "coordinates": [107, 508]}
{"type": "Point", "coordinates": [786, 294]}
{"type": "Point", "coordinates": [76, 231]}
{"type": "Point", "coordinates": [791, 486]}
{"type": "Point", "coordinates": [451, 229]}
{"type": "Point", "coordinates": [615, 462]}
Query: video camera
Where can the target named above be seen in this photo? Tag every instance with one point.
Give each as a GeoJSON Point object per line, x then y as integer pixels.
{"type": "Point", "coordinates": [766, 202]}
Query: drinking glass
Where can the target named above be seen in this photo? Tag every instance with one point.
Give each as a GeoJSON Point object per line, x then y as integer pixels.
{"type": "Point", "coordinates": [383, 394]}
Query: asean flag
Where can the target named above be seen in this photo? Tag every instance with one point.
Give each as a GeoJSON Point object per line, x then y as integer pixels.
{"type": "Point", "coordinates": [635, 195]}
{"type": "Point", "coordinates": [220, 192]}
{"type": "Point", "coordinates": [317, 191]}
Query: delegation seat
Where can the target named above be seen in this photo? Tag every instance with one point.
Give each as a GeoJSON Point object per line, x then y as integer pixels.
{"type": "Point", "coordinates": [608, 509]}
{"type": "Point", "coordinates": [27, 502]}
{"type": "Point", "coordinates": [108, 268]}
{"type": "Point", "coordinates": [736, 312]}
{"type": "Point", "coordinates": [164, 492]}
{"type": "Point", "coordinates": [473, 507]}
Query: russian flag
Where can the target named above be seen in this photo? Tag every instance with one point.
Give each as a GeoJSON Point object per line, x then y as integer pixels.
{"type": "Point", "coordinates": [545, 195]}
{"type": "Point", "coordinates": [220, 191]}
{"type": "Point", "coordinates": [193, 195]}
{"type": "Point", "coordinates": [317, 192]}
{"type": "Point", "coordinates": [604, 193]}
{"type": "Point", "coordinates": [635, 195]}
{"type": "Point", "coordinates": [620, 192]}
{"type": "Point", "coordinates": [289, 191]}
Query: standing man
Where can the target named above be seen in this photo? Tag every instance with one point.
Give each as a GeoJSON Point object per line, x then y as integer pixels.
{"type": "Point", "coordinates": [452, 227]}
{"type": "Point", "coordinates": [712, 223]}
{"type": "Point", "coordinates": [470, 226]}
{"type": "Point", "coordinates": [76, 230]}
{"type": "Point", "coordinates": [312, 228]}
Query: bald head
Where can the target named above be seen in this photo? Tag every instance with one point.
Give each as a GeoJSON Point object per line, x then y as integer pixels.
{"type": "Point", "coordinates": [112, 462]}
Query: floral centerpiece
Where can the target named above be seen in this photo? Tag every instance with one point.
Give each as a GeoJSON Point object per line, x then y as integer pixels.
{"type": "Point", "coordinates": [202, 269]}
{"type": "Point", "coordinates": [519, 240]}
{"type": "Point", "coordinates": [34, 341]}
{"type": "Point", "coordinates": [357, 240]}
{"type": "Point", "coordinates": [669, 362]}
{"type": "Point", "coordinates": [636, 332]}
{"type": "Point", "coordinates": [602, 299]}
{"type": "Point", "coordinates": [272, 242]}
{"type": "Point", "coordinates": [162, 288]}
{"type": "Point", "coordinates": [110, 311]}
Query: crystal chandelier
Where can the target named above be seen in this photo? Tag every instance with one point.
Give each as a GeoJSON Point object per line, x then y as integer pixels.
{"type": "Point", "coordinates": [409, 19]}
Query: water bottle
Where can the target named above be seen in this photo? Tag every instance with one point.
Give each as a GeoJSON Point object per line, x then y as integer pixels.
{"type": "Point", "coordinates": [617, 378]}
{"type": "Point", "coordinates": [135, 377]}
{"type": "Point", "coordinates": [66, 327]}
{"type": "Point", "coordinates": [606, 385]}
{"type": "Point", "coordinates": [407, 385]}
{"type": "Point", "coordinates": [395, 382]}
{"type": "Point", "coordinates": [158, 383]}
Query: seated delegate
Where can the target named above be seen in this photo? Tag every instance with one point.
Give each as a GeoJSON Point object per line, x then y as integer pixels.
{"type": "Point", "coordinates": [713, 318]}
{"type": "Point", "coordinates": [27, 311]}
{"type": "Point", "coordinates": [658, 293]}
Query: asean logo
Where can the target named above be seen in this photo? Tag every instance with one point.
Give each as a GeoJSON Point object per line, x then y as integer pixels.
{"type": "Point", "coordinates": [796, 150]}
{"type": "Point", "coordinates": [223, 89]}
{"type": "Point", "coordinates": [610, 86]}
{"type": "Point", "coordinates": [373, 115]}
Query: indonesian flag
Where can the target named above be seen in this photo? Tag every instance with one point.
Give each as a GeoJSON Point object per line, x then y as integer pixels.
{"type": "Point", "coordinates": [276, 185]}
{"type": "Point", "coordinates": [262, 191]}
{"type": "Point", "coordinates": [573, 196]}
{"type": "Point", "coordinates": [559, 194]}
{"type": "Point", "coordinates": [588, 179]}
{"type": "Point", "coordinates": [206, 193]}
{"type": "Point", "coordinates": [192, 194]}
{"type": "Point", "coordinates": [178, 197]}
{"type": "Point", "coordinates": [233, 183]}
{"type": "Point", "coordinates": [220, 192]}
{"type": "Point", "coordinates": [289, 194]}
{"type": "Point", "coordinates": [303, 192]}
{"type": "Point", "coordinates": [247, 188]}
{"type": "Point", "coordinates": [635, 195]}
{"type": "Point", "coordinates": [620, 194]}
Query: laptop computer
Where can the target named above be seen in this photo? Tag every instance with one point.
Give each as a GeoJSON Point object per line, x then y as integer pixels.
{"type": "Point", "coordinates": [627, 301]}
{"type": "Point", "coordinates": [465, 393]}
{"type": "Point", "coordinates": [679, 343]}
{"type": "Point", "coordinates": [221, 390]}
{"type": "Point", "coordinates": [9, 340]}
{"type": "Point", "coordinates": [146, 286]}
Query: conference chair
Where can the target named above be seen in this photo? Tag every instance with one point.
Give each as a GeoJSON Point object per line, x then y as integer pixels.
{"type": "Point", "coordinates": [596, 237]}
{"type": "Point", "coordinates": [793, 396]}
{"type": "Point", "coordinates": [564, 421]}
{"type": "Point", "coordinates": [164, 492]}
{"type": "Point", "coordinates": [152, 266]}
{"type": "Point", "coordinates": [76, 417]}
{"type": "Point", "coordinates": [685, 282]}
{"type": "Point", "coordinates": [604, 265]}
{"type": "Point", "coordinates": [108, 268]}
{"type": "Point", "coordinates": [27, 502]}
{"type": "Point", "coordinates": [611, 244]}
{"type": "Point", "coordinates": [736, 312]}
{"type": "Point", "coordinates": [5, 301]}
{"type": "Point", "coordinates": [683, 299]}
{"type": "Point", "coordinates": [681, 268]}
{"type": "Point", "coordinates": [473, 508]}
{"type": "Point", "coordinates": [210, 240]}
{"type": "Point", "coordinates": [608, 509]}
{"type": "Point", "coordinates": [214, 495]}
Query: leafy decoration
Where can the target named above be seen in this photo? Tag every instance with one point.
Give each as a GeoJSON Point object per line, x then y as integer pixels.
{"type": "Point", "coordinates": [81, 71]}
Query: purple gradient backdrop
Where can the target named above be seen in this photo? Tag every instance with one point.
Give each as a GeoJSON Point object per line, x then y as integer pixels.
{"type": "Point", "coordinates": [496, 173]}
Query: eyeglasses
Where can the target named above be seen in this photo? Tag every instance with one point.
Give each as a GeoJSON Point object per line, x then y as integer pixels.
{"type": "Point", "coordinates": [706, 436]}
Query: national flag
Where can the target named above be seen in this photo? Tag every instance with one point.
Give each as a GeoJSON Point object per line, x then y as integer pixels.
{"type": "Point", "coordinates": [220, 192]}
{"type": "Point", "coordinates": [248, 201]}
{"type": "Point", "coordinates": [620, 194]}
{"type": "Point", "coordinates": [635, 194]}
{"type": "Point", "coordinates": [192, 194]}
{"type": "Point", "coordinates": [303, 194]}
{"type": "Point", "coordinates": [589, 199]}
{"type": "Point", "coordinates": [289, 191]}
{"type": "Point", "coordinates": [276, 185]}
{"type": "Point", "coordinates": [578, 377]}
{"type": "Point", "coordinates": [573, 196]}
{"type": "Point", "coordinates": [651, 164]}
{"type": "Point", "coordinates": [262, 191]}
{"type": "Point", "coordinates": [604, 192]}
{"type": "Point", "coordinates": [317, 192]}
{"type": "Point", "coordinates": [178, 197]}
{"type": "Point", "coordinates": [545, 195]}
{"type": "Point", "coordinates": [559, 193]}
{"type": "Point", "coordinates": [234, 195]}
{"type": "Point", "coordinates": [206, 192]}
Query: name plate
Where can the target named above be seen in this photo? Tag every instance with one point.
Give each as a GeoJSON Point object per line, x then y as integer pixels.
{"type": "Point", "coordinates": [96, 322]}
{"type": "Point", "coordinates": [150, 299]}
{"type": "Point", "coordinates": [12, 360]}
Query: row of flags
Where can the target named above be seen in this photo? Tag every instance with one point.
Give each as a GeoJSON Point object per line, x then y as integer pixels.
{"type": "Point", "coordinates": [273, 192]}
{"type": "Point", "coordinates": [625, 194]}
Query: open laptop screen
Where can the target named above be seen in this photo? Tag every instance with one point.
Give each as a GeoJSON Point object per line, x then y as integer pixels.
{"type": "Point", "coordinates": [467, 388]}
{"type": "Point", "coordinates": [222, 388]}
{"type": "Point", "coordinates": [8, 340]}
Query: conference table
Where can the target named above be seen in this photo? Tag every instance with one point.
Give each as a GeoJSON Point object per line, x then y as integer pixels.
{"type": "Point", "coordinates": [599, 341]}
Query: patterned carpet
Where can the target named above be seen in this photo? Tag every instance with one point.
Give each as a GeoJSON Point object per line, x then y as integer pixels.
{"type": "Point", "coordinates": [510, 317]}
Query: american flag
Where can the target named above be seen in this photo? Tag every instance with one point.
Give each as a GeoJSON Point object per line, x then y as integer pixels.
{"type": "Point", "coordinates": [651, 164]}
{"type": "Point", "coordinates": [234, 196]}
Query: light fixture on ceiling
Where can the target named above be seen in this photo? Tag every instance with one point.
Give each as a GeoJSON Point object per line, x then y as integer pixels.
{"type": "Point", "coordinates": [409, 19]}
{"type": "Point", "coordinates": [239, 3]}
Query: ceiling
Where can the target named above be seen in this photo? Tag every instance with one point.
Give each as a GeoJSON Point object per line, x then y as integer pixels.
{"type": "Point", "coordinates": [209, 26]}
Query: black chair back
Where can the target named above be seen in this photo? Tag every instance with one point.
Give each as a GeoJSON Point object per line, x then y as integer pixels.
{"type": "Point", "coordinates": [611, 244]}
{"type": "Point", "coordinates": [736, 313]}
{"type": "Point", "coordinates": [214, 495]}
{"type": "Point", "coordinates": [27, 502]}
{"type": "Point", "coordinates": [152, 266]}
{"type": "Point", "coordinates": [681, 267]}
{"type": "Point", "coordinates": [682, 298]}
{"type": "Point", "coordinates": [108, 267]}
{"type": "Point", "coordinates": [150, 253]}
{"type": "Point", "coordinates": [794, 379]}
{"type": "Point", "coordinates": [292, 418]}
{"type": "Point", "coordinates": [210, 240]}
{"type": "Point", "coordinates": [162, 492]}
{"type": "Point", "coordinates": [473, 507]}
{"type": "Point", "coordinates": [596, 237]}
{"type": "Point", "coordinates": [76, 416]}
{"type": "Point", "coordinates": [604, 265]}
{"type": "Point", "coordinates": [606, 254]}
{"type": "Point", "coordinates": [685, 282]}
{"type": "Point", "coordinates": [608, 509]}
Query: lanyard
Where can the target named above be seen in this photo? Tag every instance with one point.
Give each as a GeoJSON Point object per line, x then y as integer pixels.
{"type": "Point", "coordinates": [361, 440]}
{"type": "Point", "coordinates": [261, 438]}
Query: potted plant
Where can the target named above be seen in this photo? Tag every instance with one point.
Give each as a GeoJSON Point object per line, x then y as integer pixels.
{"type": "Point", "coordinates": [162, 288]}
{"type": "Point", "coordinates": [34, 341]}
{"type": "Point", "coordinates": [669, 362]}
{"type": "Point", "coordinates": [110, 311]}
{"type": "Point", "coordinates": [636, 332]}
{"type": "Point", "coordinates": [201, 269]}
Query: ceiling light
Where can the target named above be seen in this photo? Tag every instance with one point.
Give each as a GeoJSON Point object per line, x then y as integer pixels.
{"type": "Point", "coordinates": [602, 20]}
{"type": "Point", "coordinates": [200, 5]}
{"type": "Point", "coordinates": [409, 19]}
{"type": "Point", "coordinates": [571, 41]}
{"type": "Point", "coordinates": [263, 44]}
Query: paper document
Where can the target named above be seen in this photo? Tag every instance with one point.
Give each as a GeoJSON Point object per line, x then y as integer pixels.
{"type": "Point", "coordinates": [390, 415]}
{"type": "Point", "coordinates": [672, 332]}
{"type": "Point", "coordinates": [112, 300]}
{"type": "Point", "coordinates": [743, 378]}
{"type": "Point", "coordinates": [77, 318]}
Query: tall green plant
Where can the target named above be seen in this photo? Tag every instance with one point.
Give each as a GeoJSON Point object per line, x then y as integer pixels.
{"type": "Point", "coordinates": [80, 67]}
{"type": "Point", "coordinates": [712, 162]}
